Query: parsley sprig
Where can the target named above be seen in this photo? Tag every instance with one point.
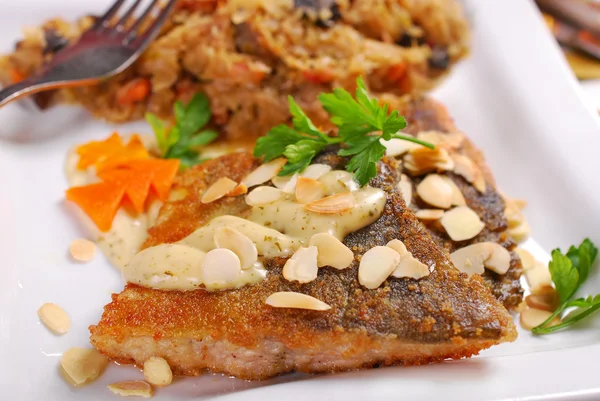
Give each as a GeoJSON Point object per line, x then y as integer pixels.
{"type": "Point", "coordinates": [569, 271]}
{"type": "Point", "coordinates": [181, 140]}
{"type": "Point", "coordinates": [362, 123]}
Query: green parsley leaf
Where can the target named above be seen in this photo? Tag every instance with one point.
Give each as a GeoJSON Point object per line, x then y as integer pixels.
{"type": "Point", "coordinates": [186, 134]}
{"type": "Point", "coordinates": [564, 275]}
{"type": "Point", "coordinates": [159, 131]}
{"type": "Point", "coordinates": [568, 273]}
{"type": "Point", "coordinates": [274, 143]}
{"type": "Point", "coordinates": [364, 163]}
{"type": "Point", "coordinates": [362, 123]}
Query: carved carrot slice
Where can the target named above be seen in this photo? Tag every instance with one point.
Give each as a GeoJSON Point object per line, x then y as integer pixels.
{"type": "Point", "coordinates": [135, 183]}
{"type": "Point", "coordinates": [99, 201]}
{"type": "Point", "coordinates": [164, 171]}
{"type": "Point", "coordinates": [94, 151]}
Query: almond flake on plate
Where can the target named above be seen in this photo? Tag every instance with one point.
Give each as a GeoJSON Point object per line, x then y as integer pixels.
{"type": "Point", "coordinates": [264, 172]}
{"type": "Point", "coordinates": [83, 365]}
{"type": "Point", "coordinates": [462, 223]}
{"type": "Point", "coordinates": [136, 388]}
{"type": "Point", "coordinates": [218, 189]}
{"type": "Point", "coordinates": [295, 300]}
{"type": "Point", "coordinates": [263, 196]}
{"type": "Point", "coordinates": [531, 318]}
{"type": "Point", "coordinates": [538, 276]}
{"type": "Point", "coordinates": [376, 265]}
{"type": "Point", "coordinates": [302, 266]}
{"type": "Point", "coordinates": [527, 259]}
{"type": "Point", "coordinates": [157, 371]}
{"type": "Point", "coordinates": [331, 251]}
{"type": "Point", "coordinates": [465, 167]}
{"type": "Point", "coordinates": [54, 318]}
{"type": "Point", "coordinates": [82, 250]}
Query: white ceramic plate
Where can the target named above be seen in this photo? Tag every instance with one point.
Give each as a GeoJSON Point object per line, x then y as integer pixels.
{"type": "Point", "coordinates": [515, 97]}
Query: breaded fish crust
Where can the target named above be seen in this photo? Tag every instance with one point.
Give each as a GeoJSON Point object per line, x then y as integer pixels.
{"type": "Point", "coordinates": [445, 315]}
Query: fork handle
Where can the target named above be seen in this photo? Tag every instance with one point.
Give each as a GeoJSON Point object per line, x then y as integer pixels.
{"type": "Point", "coordinates": [27, 86]}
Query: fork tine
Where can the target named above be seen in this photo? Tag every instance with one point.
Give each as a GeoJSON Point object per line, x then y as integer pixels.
{"type": "Point", "coordinates": [154, 28]}
{"type": "Point", "coordinates": [123, 21]}
{"type": "Point", "coordinates": [111, 12]}
{"type": "Point", "coordinates": [132, 31]}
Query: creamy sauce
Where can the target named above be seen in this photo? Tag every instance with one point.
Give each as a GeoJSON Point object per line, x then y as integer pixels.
{"type": "Point", "coordinates": [179, 267]}
{"type": "Point", "coordinates": [269, 242]}
{"type": "Point", "coordinates": [128, 231]}
{"type": "Point", "coordinates": [281, 227]}
{"type": "Point", "coordinates": [291, 218]}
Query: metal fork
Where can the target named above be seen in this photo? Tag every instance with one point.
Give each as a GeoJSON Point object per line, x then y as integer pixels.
{"type": "Point", "coordinates": [104, 50]}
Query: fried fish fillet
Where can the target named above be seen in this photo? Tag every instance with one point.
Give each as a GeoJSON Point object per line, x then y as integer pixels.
{"type": "Point", "coordinates": [404, 321]}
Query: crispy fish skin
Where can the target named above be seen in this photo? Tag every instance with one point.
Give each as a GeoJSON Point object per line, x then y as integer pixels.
{"type": "Point", "coordinates": [425, 114]}
{"type": "Point", "coordinates": [404, 321]}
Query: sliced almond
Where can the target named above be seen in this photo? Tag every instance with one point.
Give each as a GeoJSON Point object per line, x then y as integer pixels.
{"type": "Point", "coordinates": [461, 223]}
{"type": "Point", "coordinates": [178, 194]}
{"type": "Point", "coordinates": [308, 190]}
{"type": "Point", "coordinates": [82, 250]}
{"type": "Point", "coordinates": [470, 258]}
{"type": "Point", "coordinates": [527, 259]}
{"type": "Point", "coordinates": [338, 181]}
{"type": "Point", "coordinates": [397, 147]}
{"type": "Point", "coordinates": [157, 371]}
{"type": "Point", "coordinates": [531, 318]}
{"type": "Point", "coordinates": [240, 189]}
{"type": "Point", "coordinates": [473, 258]}
{"type": "Point", "coordinates": [499, 259]}
{"type": "Point", "coordinates": [280, 181]}
{"type": "Point", "coordinates": [424, 160]}
{"type": "Point", "coordinates": [302, 266]}
{"type": "Point", "coordinates": [136, 388]}
{"type": "Point", "coordinates": [409, 266]}
{"type": "Point", "coordinates": [405, 188]}
{"type": "Point", "coordinates": [376, 265]}
{"type": "Point", "coordinates": [331, 251]}
{"type": "Point", "coordinates": [429, 214]}
{"type": "Point", "coordinates": [54, 318]}
{"type": "Point", "coordinates": [435, 191]}
{"type": "Point", "coordinates": [538, 276]}
{"type": "Point", "coordinates": [238, 243]}
{"type": "Point", "coordinates": [458, 199]}
{"type": "Point", "coordinates": [263, 196]}
{"type": "Point", "coordinates": [465, 167]}
{"type": "Point", "coordinates": [83, 365]}
{"type": "Point", "coordinates": [290, 187]}
{"type": "Point", "coordinates": [219, 268]}
{"type": "Point", "coordinates": [333, 204]}
{"type": "Point", "coordinates": [218, 189]}
{"type": "Point", "coordinates": [548, 301]}
{"type": "Point", "coordinates": [521, 232]}
{"type": "Point", "coordinates": [295, 300]}
{"type": "Point", "coordinates": [450, 140]}
{"type": "Point", "coordinates": [264, 172]}
{"type": "Point", "coordinates": [315, 171]}
{"type": "Point", "coordinates": [513, 213]}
